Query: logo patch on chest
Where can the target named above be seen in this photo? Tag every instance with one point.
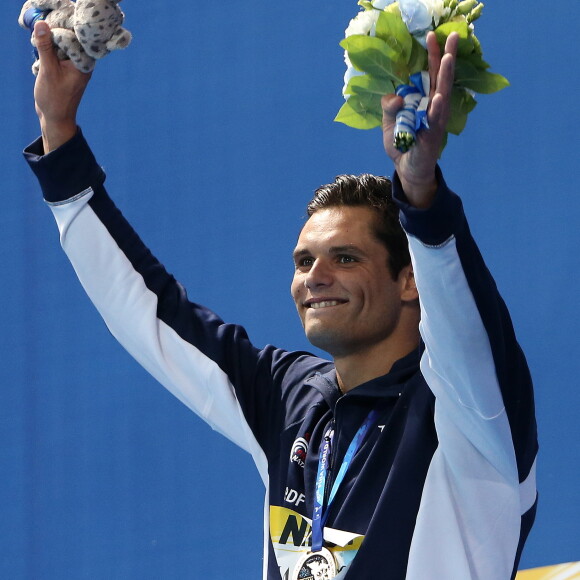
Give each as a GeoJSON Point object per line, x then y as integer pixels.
{"type": "Point", "coordinates": [299, 450]}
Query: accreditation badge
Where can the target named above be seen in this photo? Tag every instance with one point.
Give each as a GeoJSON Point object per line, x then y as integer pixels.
{"type": "Point", "coordinates": [315, 566]}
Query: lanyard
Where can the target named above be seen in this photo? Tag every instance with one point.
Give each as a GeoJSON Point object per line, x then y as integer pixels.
{"type": "Point", "coordinates": [320, 510]}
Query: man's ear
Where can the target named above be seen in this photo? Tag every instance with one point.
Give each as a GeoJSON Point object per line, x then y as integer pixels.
{"type": "Point", "coordinates": [409, 292]}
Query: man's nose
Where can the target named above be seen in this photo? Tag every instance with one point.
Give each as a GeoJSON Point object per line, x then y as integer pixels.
{"type": "Point", "coordinates": [320, 274]}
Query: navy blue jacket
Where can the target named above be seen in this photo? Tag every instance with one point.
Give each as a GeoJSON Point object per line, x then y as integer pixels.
{"type": "Point", "coordinates": [443, 488]}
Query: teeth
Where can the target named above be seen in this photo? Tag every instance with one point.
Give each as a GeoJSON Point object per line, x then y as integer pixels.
{"type": "Point", "coordinates": [324, 304]}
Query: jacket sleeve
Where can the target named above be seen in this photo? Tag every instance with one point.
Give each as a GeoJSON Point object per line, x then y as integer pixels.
{"type": "Point", "coordinates": [209, 365]}
{"type": "Point", "coordinates": [480, 493]}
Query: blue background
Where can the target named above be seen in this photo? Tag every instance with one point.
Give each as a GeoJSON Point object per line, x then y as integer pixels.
{"type": "Point", "coordinates": [214, 127]}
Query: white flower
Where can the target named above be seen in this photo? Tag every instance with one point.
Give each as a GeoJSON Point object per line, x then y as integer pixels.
{"type": "Point", "coordinates": [439, 12]}
{"type": "Point", "coordinates": [416, 15]}
{"type": "Point", "coordinates": [421, 16]}
{"type": "Point", "coordinates": [363, 23]}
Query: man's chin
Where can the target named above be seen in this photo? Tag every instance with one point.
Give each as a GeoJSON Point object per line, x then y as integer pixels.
{"type": "Point", "coordinates": [330, 341]}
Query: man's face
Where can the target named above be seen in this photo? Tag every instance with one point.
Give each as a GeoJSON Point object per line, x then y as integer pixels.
{"type": "Point", "coordinates": [342, 287]}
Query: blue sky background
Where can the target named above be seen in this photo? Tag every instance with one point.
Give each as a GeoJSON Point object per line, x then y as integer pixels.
{"type": "Point", "coordinates": [214, 127]}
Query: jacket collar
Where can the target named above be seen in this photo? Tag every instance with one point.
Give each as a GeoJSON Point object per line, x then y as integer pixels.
{"type": "Point", "coordinates": [383, 387]}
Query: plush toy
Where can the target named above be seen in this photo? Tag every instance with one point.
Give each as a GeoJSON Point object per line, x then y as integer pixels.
{"type": "Point", "coordinates": [83, 31]}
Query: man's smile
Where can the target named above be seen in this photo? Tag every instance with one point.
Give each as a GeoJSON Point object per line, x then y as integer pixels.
{"type": "Point", "coordinates": [317, 303]}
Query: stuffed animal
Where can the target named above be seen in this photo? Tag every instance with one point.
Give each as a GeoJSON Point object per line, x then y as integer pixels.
{"type": "Point", "coordinates": [83, 31]}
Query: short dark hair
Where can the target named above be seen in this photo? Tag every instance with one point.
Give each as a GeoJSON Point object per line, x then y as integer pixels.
{"type": "Point", "coordinates": [374, 192]}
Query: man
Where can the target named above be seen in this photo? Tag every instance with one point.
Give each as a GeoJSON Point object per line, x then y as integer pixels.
{"type": "Point", "coordinates": [410, 455]}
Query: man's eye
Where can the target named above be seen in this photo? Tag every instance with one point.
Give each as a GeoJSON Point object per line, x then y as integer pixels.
{"type": "Point", "coordinates": [346, 259]}
{"type": "Point", "coordinates": [305, 262]}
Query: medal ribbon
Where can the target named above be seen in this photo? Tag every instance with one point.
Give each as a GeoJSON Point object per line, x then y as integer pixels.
{"type": "Point", "coordinates": [320, 509]}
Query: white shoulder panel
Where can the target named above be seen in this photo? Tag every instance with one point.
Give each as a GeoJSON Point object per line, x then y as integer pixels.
{"type": "Point", "coordinates": [468, 524]}
{"type": "Point", "coordinates": [129, 309]}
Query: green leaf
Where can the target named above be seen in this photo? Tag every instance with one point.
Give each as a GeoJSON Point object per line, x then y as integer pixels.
{"type": "Point", "coordinates": [475, 59]}
{"type": "Point", "coordinates": [368, 84]}
{"type": "Point", "coordinates": [361, 112]}
{"type": "Point", "coordinates": [392, 29]}
{"type": "Point", "coordinates": [361, 43]}
{"type": "Point", "coordinates": [465, 45]}
{"type": "Point", "coordinates": [478, 80]}
{"type": "Point", "coordinates": [476, 44]}
{"type": "Point", "coordinates": [418, 59]}
{"type": "Point", "coordinates": [375, 57]}
{"type": "Point", "coordinates": [462, 103]}
{"type": "Point", "coordinates": [366, 4]}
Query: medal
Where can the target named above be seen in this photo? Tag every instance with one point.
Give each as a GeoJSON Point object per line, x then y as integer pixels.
{"type": "Point", "coordinates": [315, 566]}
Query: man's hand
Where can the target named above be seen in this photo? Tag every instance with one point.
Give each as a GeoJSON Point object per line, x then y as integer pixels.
{"type": "Point", "coordinates": [57, 93]}
{"type": "Point", "coordinates": [416, 168]}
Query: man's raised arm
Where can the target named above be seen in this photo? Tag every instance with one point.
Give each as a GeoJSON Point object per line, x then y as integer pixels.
{"type": "Point", "coordinates": [183, 345]}
{"type": "Point", "coordinates": [480, 491]}
{"type": "Point", "coordinates": [58, 92]}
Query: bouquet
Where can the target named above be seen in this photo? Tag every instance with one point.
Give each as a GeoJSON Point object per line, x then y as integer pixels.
{"type": "Point", "coordinates": [385, 52]}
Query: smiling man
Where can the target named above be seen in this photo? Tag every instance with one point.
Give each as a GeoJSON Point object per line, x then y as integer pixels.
{"type": "Point", "coordinates": [353, 302]}
{"type": "Point", "coordinates": [410, 455]}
